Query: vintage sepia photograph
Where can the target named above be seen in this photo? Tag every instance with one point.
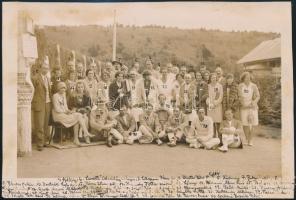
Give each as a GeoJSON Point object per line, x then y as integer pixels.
{"type": "Point", "coordinates": [170, 89]}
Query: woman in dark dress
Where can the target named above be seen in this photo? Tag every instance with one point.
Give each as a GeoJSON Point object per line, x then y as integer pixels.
{"type": "Point", "coordinates": [80, 101]}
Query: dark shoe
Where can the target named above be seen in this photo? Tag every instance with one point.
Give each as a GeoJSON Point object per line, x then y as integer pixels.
{"type": "Point", "coordinates": [114, 142]}
{"type": "Point", "coordinates": [39, 148]}
{"type": "Point", "coordinates": [109, 141]}
{"type": "Point", "coordinates": [172, 144]}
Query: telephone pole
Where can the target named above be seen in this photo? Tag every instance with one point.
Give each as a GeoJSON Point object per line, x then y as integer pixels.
{"type": "Point", "coordinates": [114, 38]}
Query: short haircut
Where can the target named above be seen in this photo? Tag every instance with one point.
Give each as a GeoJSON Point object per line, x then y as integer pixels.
{"type": "Point", "coordinates": [161, 94]}
{"type": "Point", "coordinates": [201, 108]}
{"type": "Point", "coordinates": [192, 71]}
{"type": "Point", "coordinates": [177, 76]}
{"type": "Point", "coordinates": [213, 74]}
{"type": "Point", "coordinates": [163, 68]}
{"type": "Point", "coordinates": [187, 74]}
{"type": "Point", "coordinates": [243, 76]}
{"type": "Point", "coordinates": [228, 109]}
{"type": "Point", "coordinates": [88, 70]}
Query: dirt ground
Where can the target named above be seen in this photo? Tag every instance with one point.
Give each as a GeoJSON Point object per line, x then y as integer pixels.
{"type": "Point", "coordinates": [264, 158]}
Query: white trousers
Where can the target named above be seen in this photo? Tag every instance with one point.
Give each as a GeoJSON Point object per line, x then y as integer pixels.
{"type": "Point", "coordinates": [230, 141]}
{"type": "Point", "coordinates": [208, 144]}
{"type": "Point", "coordinates": [116, 135]}
{"type": "Point", "coordinates": [147, 136]}
{"type": "Point", "coordinates": [174, 136]}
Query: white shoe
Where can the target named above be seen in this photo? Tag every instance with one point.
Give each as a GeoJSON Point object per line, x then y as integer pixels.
{"type": "Point", "coordinates": [250, 143]}
{"type": "Point", "coordinates": [159, 142]}
{"type": "Point", "coordinates": [223, 149]}
{"type": "Point", "coordinates": [195, 145]}
{"type": "Point", "coordinates": [129, 142]}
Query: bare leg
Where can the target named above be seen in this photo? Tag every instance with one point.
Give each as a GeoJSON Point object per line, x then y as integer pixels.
{"type": "Point", "coordinates": [218, 132]}
{"type": "Point", "coordinates": [246, 131]}
{"type": "Point", "coordinates": [83, 126]}
{"type": "Point", "coordinates": [76, 141]}
{"type": "Point", "coordinates": [86, 121]}
{"type": "Point", "coordinates": [250, 136]}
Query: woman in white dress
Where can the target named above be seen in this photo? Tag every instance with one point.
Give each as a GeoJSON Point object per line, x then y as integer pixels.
{"type": "Point", "coordinates": [63, 115]}
{"type": "Point", "coordinates": [214, 103]}
{"type": "Point", "coordinates": [248, 97]}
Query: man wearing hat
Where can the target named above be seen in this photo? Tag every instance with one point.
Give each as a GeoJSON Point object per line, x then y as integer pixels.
{"type": "Point", "coordinates": [148, 89]}
{"type": "Point", "coordinates": [117, 65]}
{"type": "Point", "coordinates": [41, 105]}
{"type": "Point", "coordinates": [103, 126]}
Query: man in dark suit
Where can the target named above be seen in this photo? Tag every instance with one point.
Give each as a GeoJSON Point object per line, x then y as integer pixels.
{"type": "Point", "coordinates": [126, 124]}
{"type": "Point", "coordinates": [41, 105]}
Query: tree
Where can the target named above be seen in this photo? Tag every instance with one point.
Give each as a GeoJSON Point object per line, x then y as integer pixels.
{"type": "Point", "coordinates": [93, 51]}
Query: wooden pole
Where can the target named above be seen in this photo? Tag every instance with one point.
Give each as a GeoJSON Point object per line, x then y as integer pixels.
{"type": "Point", "coordinates": [114, 38]}
{"type": "Point", "coordinates": [58, 55]}
{"type": "Point", "coordinates": [84, 63]}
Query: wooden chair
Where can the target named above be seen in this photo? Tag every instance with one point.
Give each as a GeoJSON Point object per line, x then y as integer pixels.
{"type": "Point", "coordinates": [56, 126]}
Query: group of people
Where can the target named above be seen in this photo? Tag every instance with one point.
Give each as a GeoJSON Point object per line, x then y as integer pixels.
{"type": "Point", "coordinates": [163, 104]}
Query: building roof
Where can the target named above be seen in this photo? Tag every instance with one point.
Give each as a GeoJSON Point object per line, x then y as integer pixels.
{"type": "Point", "coordinates": [266, 50]}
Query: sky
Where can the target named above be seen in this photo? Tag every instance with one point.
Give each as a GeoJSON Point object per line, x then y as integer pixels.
{"type": "Point", "coordinates": [227, 16]}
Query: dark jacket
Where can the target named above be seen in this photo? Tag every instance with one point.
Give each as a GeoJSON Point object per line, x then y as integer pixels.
{"type": "Point", "coordinates": [82, 105]}
{"type": "Point", "coordinates": [39, 97]}
{"type": "Point", "coordinates": [232, 102]}
{"type": "Point", "coordinates": [201, 92]}
{"type": "Point", "coordinates": [114, 95]}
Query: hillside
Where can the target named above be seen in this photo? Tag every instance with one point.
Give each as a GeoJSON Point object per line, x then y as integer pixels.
{"type": "Point", "coordinates": [162, 44]}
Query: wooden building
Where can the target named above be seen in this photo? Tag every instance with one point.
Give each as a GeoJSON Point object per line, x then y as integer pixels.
{"type": "Point", "coordinates": [264, 60]}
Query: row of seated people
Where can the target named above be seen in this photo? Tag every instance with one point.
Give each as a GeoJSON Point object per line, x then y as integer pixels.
{"type": "Point", "coordinates": [145, 123]}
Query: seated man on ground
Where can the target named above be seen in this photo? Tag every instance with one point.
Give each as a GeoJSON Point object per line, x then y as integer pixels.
{"type": "Point", "coordinates": [103, 126]}
{"type": "Point", "coordinates": [177, 126]}
{"type": "Point", "coordinates": [149, 125]}
{"type": "Point", "coordinates": [231, 129]}
{"type": "Point", "coordinates": [204, 135]}
{"type": "Point", "coordinates": [163, 111]}
{"type": "Point", "coordinates": [126, 124]}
